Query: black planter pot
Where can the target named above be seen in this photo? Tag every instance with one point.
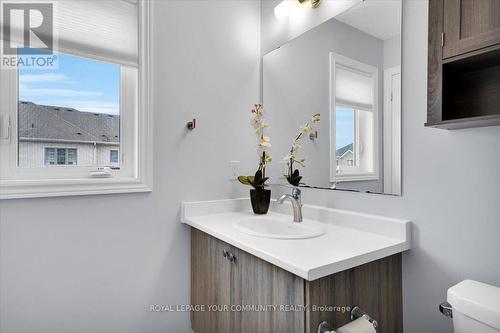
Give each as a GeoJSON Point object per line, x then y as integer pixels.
{"type": "Point", "coordinates": [260, 201]}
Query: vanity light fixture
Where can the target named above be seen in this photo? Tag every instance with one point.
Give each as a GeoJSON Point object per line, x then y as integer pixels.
{"type": "Point", "coordinates": [285, 7]}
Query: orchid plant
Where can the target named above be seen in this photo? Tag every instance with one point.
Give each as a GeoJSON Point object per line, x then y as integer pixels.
{"type": "Point", "coordinates": [258, 181]}
{"type": "Point", "coordinates": [293, 176]}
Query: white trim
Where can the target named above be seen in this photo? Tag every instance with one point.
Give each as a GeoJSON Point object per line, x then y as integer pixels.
{"type": "Point", "coordinates": [25, 139]}
{"type": "Point", "coordinates": [353, 175]}
{"type": "Point", "coordinates": [17, 189]}
{"type": "Point", "coordinates": [142, 178]}
{"type": "Point", "coordinates": [392, 135]}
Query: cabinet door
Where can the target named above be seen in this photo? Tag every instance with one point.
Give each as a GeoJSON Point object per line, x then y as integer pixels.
{"type": "Point", "coordinates": [470, 25]}
{"type": "Point", "coordinates": [210, 283]}
{"type": "Point", "coordinates": [376, 287]}
{"type": "Point", "coordinates": [257, 283]}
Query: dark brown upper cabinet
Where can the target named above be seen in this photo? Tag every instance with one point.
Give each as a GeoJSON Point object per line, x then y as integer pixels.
{"type": "Point", "coordinates": [469, 25]}
{"type": "Point", "coordinates": [463, 64]}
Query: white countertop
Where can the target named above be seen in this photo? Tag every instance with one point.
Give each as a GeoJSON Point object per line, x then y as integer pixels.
{"type": "Point", "coordinates": [351, 239]}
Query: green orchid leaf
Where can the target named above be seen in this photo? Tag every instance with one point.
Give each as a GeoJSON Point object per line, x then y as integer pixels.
{"type": "Point", "coordinates": [258, 176]}
{"type": "Point", "coordinates": [295, 181]}
{"type": "Point", "coordinates": [244, 180]}
{"type": "Point", "coordinates": [261, 181]}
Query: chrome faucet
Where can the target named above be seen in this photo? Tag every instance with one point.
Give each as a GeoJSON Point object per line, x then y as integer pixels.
{"type": "Point", "coordinates": [296, 204]}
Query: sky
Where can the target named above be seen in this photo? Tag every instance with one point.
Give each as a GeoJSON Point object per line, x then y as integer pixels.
{"type": "Point", "coordinates": [345, 127]}
{"type": "Point", "coordinates": [86, 85]}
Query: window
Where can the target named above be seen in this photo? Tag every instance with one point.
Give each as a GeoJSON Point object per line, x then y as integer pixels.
{"type": "Point", "coordinates": [77, 103]}
{"type": "Point", "coordinates": [60, 156]}
{"type": "Point", "coordinates": [71, 156]}
{"type": "Point", "coordinates": [345, 130]}
{"type": "Point", "coordinates": [84, 114]}
{"type": "Point", "coordinates": [354, 122]}
{"type": "Point", "coordinates": [113, 156]}
{"type": "Point", "coordinates": [50, 156]}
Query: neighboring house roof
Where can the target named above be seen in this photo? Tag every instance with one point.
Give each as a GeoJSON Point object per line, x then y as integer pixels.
{"type": "Point", "coordinates": [54, 123]}
{"type": "Point", "coordinates": [341, 151]}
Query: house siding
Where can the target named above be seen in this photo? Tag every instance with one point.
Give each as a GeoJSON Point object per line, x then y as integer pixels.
{"type": "Point", "coordinates": [32, 154]}
{"type": "Point", "coordinates": [343, 161]}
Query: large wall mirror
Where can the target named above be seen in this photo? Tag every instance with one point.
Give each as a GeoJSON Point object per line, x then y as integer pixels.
{"type": "Point", "coordinates": [333, 99]}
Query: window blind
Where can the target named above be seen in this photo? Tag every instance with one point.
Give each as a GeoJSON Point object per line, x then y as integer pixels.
{"type": "Point", "coordinates": [100, 29]}
{"type": "Point", "coordinates": [353, 87]}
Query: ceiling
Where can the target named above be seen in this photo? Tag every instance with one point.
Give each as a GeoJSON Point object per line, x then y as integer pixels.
{"type": "Point", "coordinates": [379, 18]}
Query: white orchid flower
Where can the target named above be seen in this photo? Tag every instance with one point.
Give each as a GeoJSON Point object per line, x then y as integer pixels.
{"type": "Point", "coordinates": [255, 122]}
{"type": "Point", "coordinates": [263, 142]}
{"type": "Point", "coordinates": [306, 129]}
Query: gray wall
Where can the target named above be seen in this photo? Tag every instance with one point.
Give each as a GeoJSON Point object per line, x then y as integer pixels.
{"type": "Point", "coordinates": [95, 263]}
{"type": "Point", "coordinates": [392, 52]}
{"type": "Point", "coordinates": [452, 201]}
{"type": "Point", "coordinates": [296, 85]}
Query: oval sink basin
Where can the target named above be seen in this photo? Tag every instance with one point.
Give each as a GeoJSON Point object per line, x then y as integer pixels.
{"type": "Point", "coordinates": [279, 228]}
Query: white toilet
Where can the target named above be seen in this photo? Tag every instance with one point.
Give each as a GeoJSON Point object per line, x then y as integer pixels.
{"type": "Point", "coordinates": [474, 307]}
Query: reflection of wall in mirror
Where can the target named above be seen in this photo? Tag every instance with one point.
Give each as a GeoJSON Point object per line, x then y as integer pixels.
{"type": "Point", "coordinates": [296, 85]}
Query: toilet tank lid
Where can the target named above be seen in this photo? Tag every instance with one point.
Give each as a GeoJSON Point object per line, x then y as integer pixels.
{"type": "Point", "coordinates": [476, 300]}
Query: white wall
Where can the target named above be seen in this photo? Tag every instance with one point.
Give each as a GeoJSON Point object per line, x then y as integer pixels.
{"type": "Point", "coordinates": [452, 202]}
{"type": "Point", "coordinates": [95, 263]}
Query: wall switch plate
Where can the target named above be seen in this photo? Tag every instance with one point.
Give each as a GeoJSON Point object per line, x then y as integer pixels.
{"type": "Point", "coordinates": [234, 170]}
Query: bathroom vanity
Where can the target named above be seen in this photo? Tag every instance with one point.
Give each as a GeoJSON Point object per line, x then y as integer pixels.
{"type": "Point", "coordinates": [355, 260]}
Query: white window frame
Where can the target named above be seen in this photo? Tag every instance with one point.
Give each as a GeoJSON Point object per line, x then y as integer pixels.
{"type": "Point", "coordinates": [136, 149]}
{"type": "Point", "coordinates": [353, 174]}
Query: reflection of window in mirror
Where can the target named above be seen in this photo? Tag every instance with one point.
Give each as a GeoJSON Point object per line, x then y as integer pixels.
{"type": "Point", "coordinates": [354, 144]}
{"type": "Point", "coordinates": [354, 120]}
{"type": "Point", "coordinates": [344, 143]}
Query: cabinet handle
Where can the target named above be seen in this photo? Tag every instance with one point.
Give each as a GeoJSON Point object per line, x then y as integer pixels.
{"type": "Point", "coordinates": [228, 255]}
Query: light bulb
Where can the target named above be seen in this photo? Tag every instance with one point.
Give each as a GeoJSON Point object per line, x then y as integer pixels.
{"type": "Point", "coordinates": [283, 9]}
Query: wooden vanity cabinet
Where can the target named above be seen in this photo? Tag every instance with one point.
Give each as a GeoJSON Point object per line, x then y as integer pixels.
{"type": "Point", "coordinates": [247, 280]}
